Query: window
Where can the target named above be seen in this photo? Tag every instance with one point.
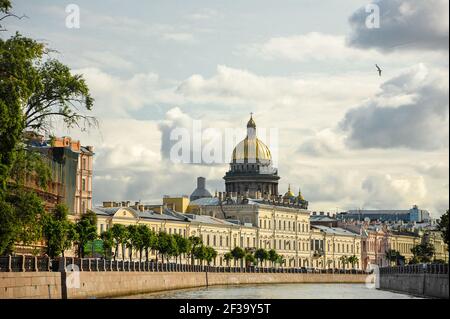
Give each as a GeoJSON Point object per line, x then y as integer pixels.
{"type": "Point", "coordinates": [84, 164]}
{"type": "Point", "coordinates": [269, 224]}
{"type": "Point", "coordinates": [265, 224]}
{"type": "Point", "coordinates": [207, 240]}
{"type": "Point", "coordinates": [83, 184]}
{"type": "Point", "coordinates": [101, 228]}
{"type": "Point", "coordinates": [214, 240]}
{"type": "Point", "coordinates": [220, 241]}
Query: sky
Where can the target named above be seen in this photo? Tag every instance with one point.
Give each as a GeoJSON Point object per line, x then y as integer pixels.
{"type": "Point", "coordinates": [347, 137]}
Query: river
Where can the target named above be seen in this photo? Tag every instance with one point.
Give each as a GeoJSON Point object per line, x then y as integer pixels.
{"type": "Point", "coordinates": [279, 291]}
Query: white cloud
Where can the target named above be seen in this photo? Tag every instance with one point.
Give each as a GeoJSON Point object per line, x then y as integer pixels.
{"type": "Point", "coordinates": [306, 47]}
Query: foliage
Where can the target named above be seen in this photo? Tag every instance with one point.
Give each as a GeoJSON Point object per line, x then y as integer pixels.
{"type": "Point", "coordinates": [108, 242]}
{"type": "Point", "coordinates": [227, 257]}
{"type": "Point", "coordinates": [423, 253]}
{"type": "Point", "coordinates": [167, 245]}
{"type": "Point", "coordinates": [58, 231]}
{"type": "Point", "coordinates": [353, 260]}
{"type": "Point", "coordinates": [394, 256]}
{"type": "Point", "coordinates": [261, 254]}
{"type": "Point", "coordinates": [86, 229]}
{"type": "Point", "coordinates": [210, 254]}
{"type": "Point", "coordinates": [344, 260]}
{"type": "Point", "coordinates": [273, 256]}
{"type": "Point", "coordinates": [119, 233]}
{"type": "Point", "coordinates": [184, 245]}
{"type": "Point", "coordinates": [443, 227]}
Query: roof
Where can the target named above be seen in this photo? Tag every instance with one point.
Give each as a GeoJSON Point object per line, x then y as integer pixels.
{"type": "Point", "coordinates": [334, 230]}
{"type": "Point", "coordinates": [322, 218]}
{"type": "Point", "coordinates": [378, 211]}
{"type": "Point", "coordinates": [148, 214]}
{"type": "Point", "coordinates": [213, 201]}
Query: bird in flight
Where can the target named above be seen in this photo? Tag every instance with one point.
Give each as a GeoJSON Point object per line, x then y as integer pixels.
{"type": "Point", "coordinates": [378, 69]}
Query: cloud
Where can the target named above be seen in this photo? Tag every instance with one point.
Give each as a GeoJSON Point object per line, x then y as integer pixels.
{"type": "Point", "coordinates": [311, 46]}
{"type": "Point", "coordinates": [404, 25]}
{"type": "Point", "coordinates": [325, 143]}
{"type": "Point", "coordinates": [394, 192]}
{"type": "Point", "coordinates": [411, 111]}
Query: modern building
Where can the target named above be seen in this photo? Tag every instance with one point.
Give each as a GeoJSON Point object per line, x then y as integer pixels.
{"type": "Point", "coordinates": [411, 215]}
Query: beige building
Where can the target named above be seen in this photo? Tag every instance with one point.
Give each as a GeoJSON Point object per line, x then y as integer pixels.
{"type": "Point", "coordinates": [330, 244]}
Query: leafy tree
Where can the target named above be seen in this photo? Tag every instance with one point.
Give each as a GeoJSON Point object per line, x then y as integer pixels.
{"type": "Point", "coordinates": [227, 257]}
{"type": "Point", "coordinates": [58, 231]}
{"type": "Point", "coordinates": [443, 227]}
{"type": "Point", "coordinates": [238, 254]}
{"type": "Point", "coordinates": [119, 233]}
{"type": "Point", "coordinates": [108, 242]}
{"type": "Point", "coordinates": [148, 238]}
{"type": "Point", "coordinates": [134, 240]}
{"type": "Point", "coordinates": [195, 242]}
{"type": "Point", "coordinates": [273, 256]}
{"type": "Point", "coordinates": [261, 254]}
{"type": "Point", "coordinates": [184, 246]}
{"type": "Point", "coordinates": [20, 219]}
{"type": "Point", "coordinates": [86, 229]}
{"type": "Point", "coordinates": [200, 253]}
{"type": "Point", "coordinates": [344, 260]}
{"type": "Point", "coordinates": [353, 260]}
{"type": "Point", "coordinates": [249, 259]}
{"type": "Point", "coordinates": [210, 254]}
{"type": "Point", "coordinates": [423, 253]}
{"type": "Point", "coordinates": [394, 256]}
{"type": "Point", "coordinates": [167, 246]}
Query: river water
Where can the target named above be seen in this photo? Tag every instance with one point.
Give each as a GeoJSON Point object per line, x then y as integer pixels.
{"type": "Point", "coordinates": [279, 291]}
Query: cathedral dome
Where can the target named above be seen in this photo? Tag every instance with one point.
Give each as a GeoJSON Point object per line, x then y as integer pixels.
{"type": "Point", "coordinates": [251, 149]}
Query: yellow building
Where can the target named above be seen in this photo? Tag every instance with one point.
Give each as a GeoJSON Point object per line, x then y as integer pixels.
{"type": "Point", "coordinates": [329, 245]}
{"type": "Point", "coordinates": [403, 242]}
{"type": "Point", "coordinates": [178, 204]}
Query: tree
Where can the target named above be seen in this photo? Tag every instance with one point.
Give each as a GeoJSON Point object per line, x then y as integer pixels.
{"type": "Point", "coordinates": [148, 239]}
{"type": "Point", "coordinates": [443, 227]}
{"type": "Point", "coordinates": [210, 254]}
{"type": "Point", "coordinates": [238, 254]}
{"type": "Point", "coordinates": [393, 256]}
{"type": "Point", "coordinates": [58, 231]}
{"type": "Point", "coordinates": [423, 253]}
{"type": "Point", "coordinates": [353, 260]}
{"type": "Point", "coordinates": [249, 259]}
{"type": "Point", "coordinates": [200, 253]}
{"type": "Point", "coordinates": [184, 246]}
{"type": "Point", "coordinates": [261, 254]}
{"type": "Point", "coordinates": [273, 256]}
{"type": "Point", "coordinates": [195, 242]}
{"type": "Point", "coordinates": [227, 257]}
{"type": "Point", "coordinates": [134, 241]}
{"type": "Point", "coordinates": [21, 214]}
{"type": "Point", "coordinates": [86, 229]}
{"type": "Point", "coordinates": [167, 245]}
{"type": "Point", "coordinates": [108, 242]}
{"type": "Point", "coordinates": [119, 233]}
{"type": "Point", "coordinates": [344, 260]}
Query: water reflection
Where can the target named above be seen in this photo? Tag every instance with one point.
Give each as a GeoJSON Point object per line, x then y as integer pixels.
{"type": "Point", "coordinates": [279, 291]}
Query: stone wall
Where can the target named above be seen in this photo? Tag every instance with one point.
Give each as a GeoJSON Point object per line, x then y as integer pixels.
{"type": "Point", "coordinates": [114, 284]}
{"type": "Point", "coordinates": [40, 285]}
{"type": "Point", "coordinates": [420, 284]}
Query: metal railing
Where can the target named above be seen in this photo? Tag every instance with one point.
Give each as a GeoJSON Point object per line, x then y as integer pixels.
{"type": "Point", "coordinates": [42, 264]}
{"type": "Point", "coordinates": [416, 269]}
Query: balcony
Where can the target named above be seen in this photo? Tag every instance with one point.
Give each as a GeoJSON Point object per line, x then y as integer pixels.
{"type": "Point", "coordinates": [318, 253]}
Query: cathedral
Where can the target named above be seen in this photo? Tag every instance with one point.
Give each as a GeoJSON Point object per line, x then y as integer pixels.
{"type": "Point", "coordinates": [252, 175]}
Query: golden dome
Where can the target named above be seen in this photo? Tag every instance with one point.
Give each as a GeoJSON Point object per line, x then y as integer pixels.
{"type": "Point", "coordinates": [251, 149]}
{"type": "Point", "coordinates": [300, 196]}
{"type": "Point", "coordinates": [289, 193]}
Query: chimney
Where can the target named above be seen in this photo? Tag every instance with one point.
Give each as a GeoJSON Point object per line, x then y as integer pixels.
{"type": "Point", "coordinates": [314, 213]}
{"type": "Point", "coordinates": [321, 213]}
